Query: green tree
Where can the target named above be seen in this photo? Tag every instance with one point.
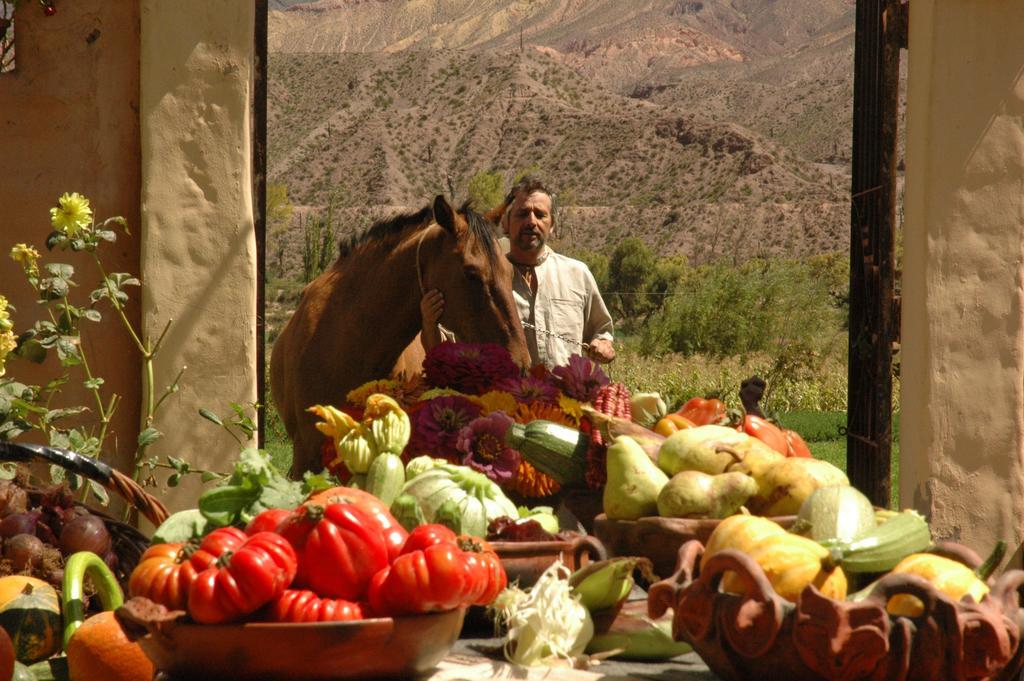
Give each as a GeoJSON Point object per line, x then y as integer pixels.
{"type": "Point", "coordinates": [630, 270]}
{"type": "Point", "coordinates": [279, 218]}
{"type": "Point", "coordinates": [485, 189]}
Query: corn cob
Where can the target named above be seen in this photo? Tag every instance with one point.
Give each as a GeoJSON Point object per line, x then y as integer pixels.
{"type": "Point", "coordinates": [614, 400]}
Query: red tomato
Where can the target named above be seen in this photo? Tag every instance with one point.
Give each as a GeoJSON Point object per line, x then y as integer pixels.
{"type": "Point", "coordinates": [703, 411]}
{"type": "Point", "coordinates": [340, 548]}
{"type": "Point", "coordinates": [222, 539]}
{"type": "Point", "coordinates": [394, 533]}
{"type": "Point", "coordinates": [437, 578]}
{"type": "Point", "coordinates": [305, 606]}
{"type": "Point", "coordinates": [166, 571]}
{"type": "Point", "coordinates": [425, 536]}
{"type": "Point", "coordinates": [243, 580]}
{"type": "Point", "coordinates": [796, 445]}
{"type": "Point", "coordinates": [765, 431]}
{"type": "Point", "coordinates": [267, 521]}
{"type": "Point", "coordinates": [489, 576]}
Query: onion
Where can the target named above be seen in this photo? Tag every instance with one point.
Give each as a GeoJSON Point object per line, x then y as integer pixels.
{"type": "Point", "coordinates": [85, 533]}
{"type": "Point", "coordinates": [19, 523]}
{"type": "Point", "coordinates": [13, 498]}
{"type": "Point", "coordinates": [24, 551]}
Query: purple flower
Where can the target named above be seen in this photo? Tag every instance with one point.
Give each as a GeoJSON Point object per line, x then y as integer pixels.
{"type": "Point", "coordinates": [472, 368]}
{"type": "Point", "coordinates": [483, 444]}
{"type": "Point", "coordinates": [528, 389]}
{"type": "Point", "coordinates": [436, 425]}
{"type": "Point", "coordinates": [581, 378]}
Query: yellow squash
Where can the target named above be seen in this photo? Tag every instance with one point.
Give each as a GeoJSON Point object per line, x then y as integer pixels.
{"type": "Point", "coordinates": [791, 563]}
{"type": "Point", "coordinates": [951, 578]}
{"type": "Point", "coordinates": [740, 532]}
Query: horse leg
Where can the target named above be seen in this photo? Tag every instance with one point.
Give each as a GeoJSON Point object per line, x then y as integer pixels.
{"type": "Point", "coordinates": [410, 362]}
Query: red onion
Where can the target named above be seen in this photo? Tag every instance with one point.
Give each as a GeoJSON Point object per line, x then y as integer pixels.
{"type": "Point", "coordinates": [24, 551]}
{"type": "Point", "coordinates": [85, 533]}
{"type": "Point", "coordinates": [19, 523]}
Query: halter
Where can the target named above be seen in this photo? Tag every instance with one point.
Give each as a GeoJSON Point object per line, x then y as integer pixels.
{"type": "Point", "coordinates": [419, 269]}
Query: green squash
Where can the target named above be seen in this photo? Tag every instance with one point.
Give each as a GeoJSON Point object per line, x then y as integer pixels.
{"type": "Point", "coordinates": [33, 622]}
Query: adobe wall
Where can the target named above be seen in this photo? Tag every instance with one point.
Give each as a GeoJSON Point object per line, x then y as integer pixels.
{"type": "Point", "coordinates": [69, 122]}
{"type": "Point", "coordinates": [143, 106]}
{"type": "Point", "coordinates": [962, 428]}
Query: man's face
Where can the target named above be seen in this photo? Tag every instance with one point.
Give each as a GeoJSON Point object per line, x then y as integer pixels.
{"type": "Point", "coordinates": [529, 223]}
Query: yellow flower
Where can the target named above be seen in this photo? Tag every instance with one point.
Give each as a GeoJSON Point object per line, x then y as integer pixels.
{"type": "Point", "coordinates": [5, 317]}
{"type": "Point", "coordinates": [441, 392]}
{"type": "Point", "coordinates": [350, 438]}
{"type": "Point", "coordinates": [357, 396]}
{"type": "Point", "coordinates": [530, 482]}
{"type": "Point", "coordinates": [7, 345]}
{"type": "Point", "coordinates": [572, 408]}
{"type": "Point", "coordinates": [498, 400]}
{"type": "Point", "coordinates": [71, 214]}
{"type": "Point", "coordinates": [26, 256]}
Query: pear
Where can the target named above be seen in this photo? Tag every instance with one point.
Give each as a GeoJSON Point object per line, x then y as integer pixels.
{"type": "Point", "coordinates": [785, 485]}
{"type": "Point", "coordinates": [634, 481]}
{"type": "Point", "coordinates": [692, 494]}
{"type": "Point", "coordinates": [713, 449]}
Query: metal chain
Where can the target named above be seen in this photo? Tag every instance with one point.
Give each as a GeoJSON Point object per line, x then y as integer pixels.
{"type": "Point", "coordinates": [552, 334]}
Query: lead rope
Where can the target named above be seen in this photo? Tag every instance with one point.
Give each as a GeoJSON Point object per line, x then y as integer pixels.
{"type": "Point", "coordinates": [419, 270]}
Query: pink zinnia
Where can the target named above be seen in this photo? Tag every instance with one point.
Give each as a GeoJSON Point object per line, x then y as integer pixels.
{"type": "Point", "coordinates": [581, 378]}
{"type": "Point", "coordinates": [436, 425]}
{"type": "Point", "coordinates": [472, 368]}
{"type": "Point", "coordinates": [483, 444]}
{"type": "Point", "coordinates": [528, 389]}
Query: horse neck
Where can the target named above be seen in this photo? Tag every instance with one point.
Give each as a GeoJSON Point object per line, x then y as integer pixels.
{"type": "Point", "coordinates": [388, 292]}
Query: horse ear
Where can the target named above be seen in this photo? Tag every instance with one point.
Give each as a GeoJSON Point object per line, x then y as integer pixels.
{"type": "Point", "coordinates": [444, 215]}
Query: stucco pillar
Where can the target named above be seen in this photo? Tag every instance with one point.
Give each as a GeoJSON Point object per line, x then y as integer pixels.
{"type": "Point", "coordinates": [962, 429]}
{"type": "Point", "coordinates": [198, 258]}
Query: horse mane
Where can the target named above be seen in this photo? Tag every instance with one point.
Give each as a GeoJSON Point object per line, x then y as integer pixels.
{"type": "Point", "coordinates": [386, 230]}
{"type": "Point", "coordinates": [390, 230]}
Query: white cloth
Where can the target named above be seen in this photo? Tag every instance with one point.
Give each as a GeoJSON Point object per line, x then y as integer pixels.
{"type": "Point", "coordinates": [567, 302]}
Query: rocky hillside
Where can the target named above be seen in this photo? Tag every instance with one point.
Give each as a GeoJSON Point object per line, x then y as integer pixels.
{"type": "Point", "coordinates": [708, 127]}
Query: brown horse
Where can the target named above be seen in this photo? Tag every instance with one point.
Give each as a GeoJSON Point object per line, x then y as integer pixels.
{"type": "Point", "coordinates": [354, 320]}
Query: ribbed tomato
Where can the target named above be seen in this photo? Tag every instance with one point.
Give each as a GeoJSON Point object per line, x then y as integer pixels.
{"type": "Point", "coordinates": [488, 574]}
{"type": "Point", "coordinates": [166, 571]}
{"type": "Point", "coordinates": [424, 536]}
{"type": "Point", "coordinates": [243, 580]}
{"type": "Point", "coordinates": [301, 605]}
{"type": "Point", "coordinates": [394, 534]}
{"type": "Point", "coordinates": [434, 579]}
{"type": "Point", "coordinates": [267, 521]}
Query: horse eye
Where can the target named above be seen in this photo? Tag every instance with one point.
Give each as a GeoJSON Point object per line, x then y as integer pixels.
{"type": "Point", "coordinates": [473, 275]}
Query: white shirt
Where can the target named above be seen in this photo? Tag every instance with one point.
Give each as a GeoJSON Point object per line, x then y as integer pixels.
{"type": "Point", "coordinates": [567, 303]}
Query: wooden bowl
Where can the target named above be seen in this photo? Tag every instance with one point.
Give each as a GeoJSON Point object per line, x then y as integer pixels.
{"type": "Point", "coordinates": [525, 561]}
{"type": "Point", "coordinates": [399, 647]}
{"type": "Point", "coordinates": [658, 539]}
{"type": "Point", "coordinates": [760, 635]}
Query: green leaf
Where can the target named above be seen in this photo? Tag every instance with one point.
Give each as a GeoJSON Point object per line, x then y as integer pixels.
{"type": "Point", "coordinates": [100, 492]}
{"type": "Point", "coordinates": [8, 471]}
{"type": "Point", "coordinates": [60, 270]}
{"type": "Point", "coordinates": [210, 416]}
{"type": "Point", "coordinates": [53, 289]}
{"type": "Point", "coordinates": [56, 414]}
{"type": "Point", "coordinates": [93, 383]}
{"type": "Point", "coordinates": [210, 476]}
{"type": "Point", "coordinates": [221, 505]}
{"type": "Point", "coordinates": [67, 350]}
{"type": "Point", "coordinates": [32, 350]}
{"type": "Point", "coordinates": [105, 234]}
{"type": "Point", "coordinates": [173, 480]}
{"type": "Point", "coordinates": [149, 436]}
{"type": "Point", "coordinates": [92, 315]}
{"type": "Point", "coordinates": [57, 473]}
{"type": "Point", "coordinates": [116, 220]}
{"type": "Point", "coordinates": [180, 527]}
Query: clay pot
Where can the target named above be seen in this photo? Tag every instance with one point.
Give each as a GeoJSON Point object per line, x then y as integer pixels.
{"type": "Point", "coordinates": [763, 636]}
{"type": "Point", "coordinates": [658, 539]}
{"type": "Point", "coordinates": [525, 561]}
{"type": "Point", "coordinates": [399, 647]}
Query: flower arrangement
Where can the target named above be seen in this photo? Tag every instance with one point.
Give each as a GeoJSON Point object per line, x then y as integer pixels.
{"type": "Point", "coordinates": [461, 407]}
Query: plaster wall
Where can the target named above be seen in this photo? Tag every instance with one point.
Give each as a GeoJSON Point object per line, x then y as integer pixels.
{"type": "Point", "coordinates": [198, 252]}
{"type": "Point", "coordinates": [962, 433]}
{"type": "Point", "coordinates": [69, 122]}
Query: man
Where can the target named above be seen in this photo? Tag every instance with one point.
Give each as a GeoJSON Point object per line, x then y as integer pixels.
{"type": "Point", "coordinates": [557, 296]}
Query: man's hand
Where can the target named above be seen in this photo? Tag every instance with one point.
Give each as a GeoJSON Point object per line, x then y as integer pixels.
{"type": "Point", "coordinates": [601, 351]}
{"type": "Point", "coordinates": [431, 307]}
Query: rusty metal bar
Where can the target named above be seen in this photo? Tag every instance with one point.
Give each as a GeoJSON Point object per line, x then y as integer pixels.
{"type": "Point", "coordinates": [880, 31]}
{"type": "Point", "coordinates": [259, 200]}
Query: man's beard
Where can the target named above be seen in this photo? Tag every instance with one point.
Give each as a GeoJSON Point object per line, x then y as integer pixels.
{"type": "Point", "coordinates": [533, 243]}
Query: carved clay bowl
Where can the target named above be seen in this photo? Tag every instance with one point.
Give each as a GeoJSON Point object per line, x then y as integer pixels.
{"type": "Point", "coordinates": [763, 636]}
{"type": "Point", "coordinates": [525, 561]}
{"type": "Point", "coordinates": [658, 539]}
{"type": "Point", "coordinates": [399, 647]}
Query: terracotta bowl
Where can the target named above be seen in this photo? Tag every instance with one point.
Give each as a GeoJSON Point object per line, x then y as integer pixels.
{"type": "Point", "coordinates": [763, 636]}
{"type": "Point", "coordinates": [525, 561]}
{"type": "Point", "coordinates": [658, 539]}
{"type": "Point", "coordinates": [400, 647]}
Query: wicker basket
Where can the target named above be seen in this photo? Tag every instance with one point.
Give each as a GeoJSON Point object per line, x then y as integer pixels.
{"type": "Point", "coordinates": [128, 541]}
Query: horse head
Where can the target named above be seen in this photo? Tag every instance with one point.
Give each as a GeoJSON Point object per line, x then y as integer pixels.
{"type": "Point", "coordinates": [476, 280]}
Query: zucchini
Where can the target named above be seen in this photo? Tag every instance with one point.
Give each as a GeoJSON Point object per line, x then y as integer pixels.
{"type": "Point", "coordinates": [385, 477]}
{"type": "Point", "coordinates": [406, 510]}
{"type": "Point", "coordinates": [553, 449]}
{"type": "Point", "coordinates": [881, 549]}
